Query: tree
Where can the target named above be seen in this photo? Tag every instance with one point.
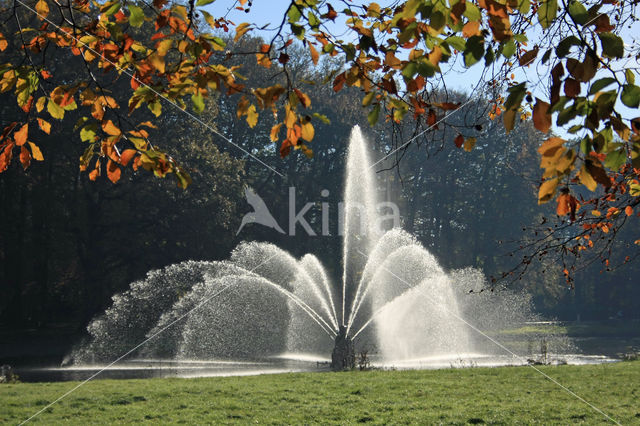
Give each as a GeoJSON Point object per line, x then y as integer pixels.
{"type": "Point", "coordinates": [173, 55]}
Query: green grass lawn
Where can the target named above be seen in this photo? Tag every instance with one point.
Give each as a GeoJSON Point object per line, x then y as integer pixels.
{"type": "Point", "coordinates": [504, 395]}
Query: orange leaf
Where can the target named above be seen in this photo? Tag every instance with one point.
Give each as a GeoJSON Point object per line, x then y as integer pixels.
{"type": "Point", "coordinates": [113, 171]}
{"type": "Point", "coordinates": [628, 210]}
{"type": "Point", "coordinates": [304, 99]}
{"type": "Point", "coordinates": [21, 135]}
{"type": "Point", "coordinates": [314, 54]}
{"type": "Point", "coordinates": [3, 43]}
{"type": "Point", "coordinates": [110, 128]}
{"type": "Point", "coordinates": [471, 29]}
{"type": "Point", "coordinates": [25, 157]}
{"type": "Point", "coordinates": [45, 126]}
{"type": "Point", "coordinates": [126, 156]}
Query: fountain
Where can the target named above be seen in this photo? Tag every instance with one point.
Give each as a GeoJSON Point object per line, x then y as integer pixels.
{"type": "Point", "coordinates": [264, 304]}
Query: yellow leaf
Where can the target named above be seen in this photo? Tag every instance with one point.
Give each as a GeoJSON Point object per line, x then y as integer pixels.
{"type": "Point", "coordinates": [587, 180]}
{"type": "Point", "coordinates": [42, 8]}
{"type": "Point", "coordinates": [290, 117]}
{"type": "Point", "coordinates": [241, 30]}
{"type": "Point", "coordinates": [469, 143]}
{"type": "Point", "coordinates": [157, 62]}
{"type": "Point", "coordinates": [40, 103]}
{"type": "Point", "coordinates": [550, 146]}
{"type": "Point", "coordinates": [547, 190]}
{"type": "Point", "coordinates": [45, 126]}
{"type": "Point", "coordinates": [55, 110]}
{"type": "Point", "coordinates": [307, 132]}
{"type": "Point", "coordinates": [252, 116]}
{"type": "Point", "coordinates": [274, 132]}
{"type": "Point", "coordinates": [35, 152]}
{"type": "Point", "coordinates": [163, 46]}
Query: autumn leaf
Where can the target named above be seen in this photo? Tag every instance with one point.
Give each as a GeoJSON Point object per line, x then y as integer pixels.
{"type": "Point", "coordinates": [111, 129]}
{"type": "Point", "coordinates": [587, 180]}
{"type": "Point", "coordinates": [45, 126]}
{"type": "Point", "coordinates": [304, 99]}
{"type": "Point", "coordinates": [274, 132]}
{"type": "Point", "coordinates": [469, 143]}
{"type": "Point", "coordinates": [42, 8]}
{"type": "Point", "coordinates": [25, 157]}
{"type": "Point", "coordinates": [126, 156]}
{"type": "Point", "coordinates": [35, 152]}
{"type": "Point", "coordinates": [458, 141]}
{"type": "Point", "coordinates": [547, 189]}
{"type": "Point", "coordinates": [241, 30]}
{"type": "Point", "coordinates": [470, 29]}
{"type": "Point", "coordinates": [113, 171]}
{"type": "Point", "coordinates": [21, 135]}
{"type": "Point", "coordinates": [55, 110]}
{"type": "Point", "coordinates": [252, 116]}
{"type": "Point", "coordinates": [541, 116]}
{"type": "Point", "coordinates": [628, 211]}
{"type": "Point", "coordinates": [551, 146]}
{"type": "Point", "coordinates": [3, 43]}
{"type": "Point", "coordinates": [314, 54]}
{"type": "Point", "coordinates": [307, 131]}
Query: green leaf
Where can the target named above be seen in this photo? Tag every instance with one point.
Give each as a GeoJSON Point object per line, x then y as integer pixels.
{"type": "Point", "coordinates": [524, 6]}
{"type": "Point", "coordinates": [612, 45]}
{"type": "Point", "coordinates": [516, 95]}
{"type": "Point", "coordinates": [578, 12]}
{"type": "Point", "coordinates": [489, 57]}
{"type": "Point", "coordinates": [565, 45]}
{"type": "Point", "coordinates": [409, 70]}
{"type": "Point", "coordinates": [630, 95]}
{"type": "Point", "coordinates": [474, 50]}
{"type": "Point", "coordinates": [372, 117]}
{"type": "Point", "coordinates": [314, 22]}
{"type": "Point", "coordinates": [600, 84]}
{"type": "Point", "coordinates": [615, 159]}
{"type": "Point", "coordinates": [508, 48]}
{"type": "Point", "coordinates": [547, 12]}
{"type": "Point", "coordinates": [204, 2]}
{"type": "Point", "coordinates": [322, 118]}
{"type": "Point", "coordinates": [198, 102]}
{"type": "Point", "coordinates": [456, 42]}
{"type": "Point", "coordinates": [294, 13]}
{"type": "Point", "coordinates": [471, 12]}
{"type": "Point", "coordinates": [136, 16]}
{"type": "Point", "coordinates": [630, 76]}
{"type": "Point", "coordinates": [110, 8]}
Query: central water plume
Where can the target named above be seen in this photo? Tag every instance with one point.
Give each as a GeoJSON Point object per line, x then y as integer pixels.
{"type": "Point", "coordinates": [394, 298]}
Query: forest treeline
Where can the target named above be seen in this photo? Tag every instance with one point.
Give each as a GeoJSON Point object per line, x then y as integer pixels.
{"type": "Point", "coordinates": [67, 244]}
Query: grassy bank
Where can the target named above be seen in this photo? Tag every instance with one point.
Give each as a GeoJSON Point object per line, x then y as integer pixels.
{"type": "Point", "coordinates": [478, 395]}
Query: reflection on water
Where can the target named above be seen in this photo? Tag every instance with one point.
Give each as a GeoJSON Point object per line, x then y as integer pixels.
{"type": "Point", "coordinates": [285, 363]}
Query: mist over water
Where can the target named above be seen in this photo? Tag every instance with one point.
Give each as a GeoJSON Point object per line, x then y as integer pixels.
{"type": "Point", "coordinates": [393, 297]}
